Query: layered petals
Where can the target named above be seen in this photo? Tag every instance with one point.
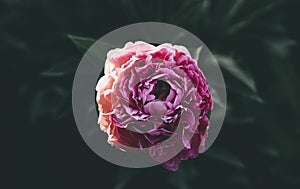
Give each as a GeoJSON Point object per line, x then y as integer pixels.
{"type": "Point", "coordinates": [150, 94]}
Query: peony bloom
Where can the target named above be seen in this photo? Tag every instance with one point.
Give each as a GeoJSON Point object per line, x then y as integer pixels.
{"type": "Point", "coordinates": [149, 94]}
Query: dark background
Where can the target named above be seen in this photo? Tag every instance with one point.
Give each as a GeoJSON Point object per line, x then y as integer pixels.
{"type": "Point", "coordinates": [258, 146]}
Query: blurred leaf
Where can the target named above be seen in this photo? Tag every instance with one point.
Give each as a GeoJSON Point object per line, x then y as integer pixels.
{"type": "Point", "coordinates": [82, 43]}
{"type": "Point", "coordinates": [255, 14]}
{"type": "Point", "coordinates": [240, 179]}
{"type": "Point", "coordinates": [180, 179]}
{"type": "Point", "coordinates": [64, 110]}
{"type": "Point", "coordinates": [245, 94]}
{"type": "Point", "coordinates": [225, 157]}
{"type": "Point", "coordinates": [231, 66]}
{"type": "Point", "coordinates": [236, 7]}
{"type": "Point", "coordinates": [130, 8]}
{"type": "Point", "coordinates": [61, 68]}
{"type": "Point", "coordinates": [47, 103]}
{"type": "Point", "coordinates": [99, 49]}
{"type": "Point", "coordinates": [124, 177]}
{"type": "Point", "coordinates": [183, 177]}
{"type": "Point", "coordinates": [270, 151]}
{"type": "Point", "coordinates": [239, 120]}
{"type": "Point", "coordinates": [187, 5]}
{"type": "Point", "coordinates": [12, 41]}
{"type": "Point", "coordinates": [279, 47]}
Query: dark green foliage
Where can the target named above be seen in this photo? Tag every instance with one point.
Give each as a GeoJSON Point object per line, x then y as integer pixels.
{"type": "Point", "coordinates": [256, 43]}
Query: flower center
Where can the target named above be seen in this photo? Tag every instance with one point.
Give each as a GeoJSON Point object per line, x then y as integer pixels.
{"type": "Point", "coordinates": [149, 98]}
{"type": "Point", "coordinates": [161, 90]}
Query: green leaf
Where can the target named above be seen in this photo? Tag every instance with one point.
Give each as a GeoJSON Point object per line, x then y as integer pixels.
{"type": "Point", "coordinates": [82, 43]}
{"type": "Point", "coordinates": [181, 14]}
{"type": "Point", "coordinates": [180, 179]}
{"type": "Point", "coordinates": [124, 177]}
{"type": "Point", "coordinates": [99, 49]}
{"type": "Point", "coordinates": [239, 179]}
{"type": "Point", "coordinates": [255, 15]}
{"type": "Point", "coordinates": [235, 9]}
{"type": "Point", "coordinates": [61, 68]}
{"type": "Point", "coordinates": [269, 151]}
{"type": "Point", "coordinates": [229, 64]}
{"type": "Point", "coordinates": [239, 120]}
{"type": "Point", "coordinates": [225, 156]}
{"type": "Point", "coordinates": [53, 98]}
{"type": "Point", "coordinates": [279, 47]}
{"type": "Point", "coordinates": [245, 94]}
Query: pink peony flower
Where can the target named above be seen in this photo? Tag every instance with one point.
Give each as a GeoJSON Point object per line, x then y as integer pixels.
{"type": "Point", "coordinates": [150, 93]}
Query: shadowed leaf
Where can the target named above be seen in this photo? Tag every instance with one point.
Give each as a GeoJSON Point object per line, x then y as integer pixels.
{"type": "Point", "coordinates": [226, 157]}
{"type": "Point", "coordinates": [82, 43]}
{"type": "Point", "coordinates": [124, 177]}
{"type": "Point", "coordinates": [231, 66]}
{"type": "Point", "coordinates": [236, 7]}
{"type": "Point", "coordinates": [246, 94]}
{"type": "Point", "coordinates": [240, 179]}
{"type": "Point", "coordinates": [269, 150]}
{"type": "Point", "coordinates": [254, 15]}
{"type": "Point", "coordinates": [181, 179]}
{"type": "Point", "coordinates": [279, 47]}
{"type": "Point", "coordinates": [61, 68]}
{"type": "Point", "coordinates": [47, 104]}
